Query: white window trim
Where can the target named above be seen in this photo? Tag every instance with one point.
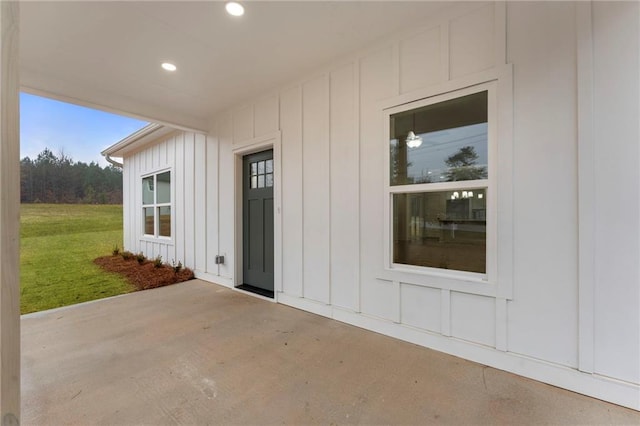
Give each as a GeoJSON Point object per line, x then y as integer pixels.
{"type": "Point", "coordinates": [157, 238]}
{"type": "Point", "coordinates": [497, 281]}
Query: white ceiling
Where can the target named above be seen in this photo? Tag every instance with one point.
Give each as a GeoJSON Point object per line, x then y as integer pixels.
{"type": "Point", "coordinates": [108, 54]}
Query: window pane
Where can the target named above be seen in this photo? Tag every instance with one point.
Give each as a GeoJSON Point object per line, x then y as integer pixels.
{"type": "Point", "coordinates": [260, 181]}
{"type": "Point", "coordinates": [254, 169]}
{"type": "Point", "coordinates": [163, 181]}
{"type": "Point", "coordinates": [261, 167]}
{"type": "Point", "coordinates": [147, 190]}
{"type": "Point", "coordinates": [269, 166]}
{"type": "Point", "coordinates": [148, 221]}
{"type": "Point", "coordinates": [269, 180]}
{"type": "Point", "coordinates": [164, 215]}
{"type": "Point", "coordinates": [254, 182]}
{"type": "Point", "coordinates": [441, 229]}
{"type": "Point", "coordinates": [442, 142]}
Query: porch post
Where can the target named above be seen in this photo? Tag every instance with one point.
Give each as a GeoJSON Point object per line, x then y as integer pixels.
{"type": "Point", "coordinates": [9, 216]}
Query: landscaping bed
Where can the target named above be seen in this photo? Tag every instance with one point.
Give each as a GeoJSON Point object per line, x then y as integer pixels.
{"type": "Point", "coordinates": [146, 274]}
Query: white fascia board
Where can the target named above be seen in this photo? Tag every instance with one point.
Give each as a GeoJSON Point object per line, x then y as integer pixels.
{"type": "Point", "coordinates": [138, 139]}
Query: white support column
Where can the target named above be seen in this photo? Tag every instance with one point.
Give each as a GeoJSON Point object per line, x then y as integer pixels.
{"type": "Point", "coordinates": [9, 216]}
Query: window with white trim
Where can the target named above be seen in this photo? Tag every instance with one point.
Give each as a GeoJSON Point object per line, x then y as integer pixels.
{"type": "Point", "coordinates": [439, 182]}
{"type": "Point", "coordinates": [156, 204]}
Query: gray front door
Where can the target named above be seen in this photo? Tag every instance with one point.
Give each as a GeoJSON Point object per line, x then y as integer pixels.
{"type": "Point", "coordinates": [257, 216]}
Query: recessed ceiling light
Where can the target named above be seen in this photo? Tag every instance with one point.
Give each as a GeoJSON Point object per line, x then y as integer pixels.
{"type": "Point", "coordinates": [234, 9]}
{"type": "Point", "coordinates": [168, 66]}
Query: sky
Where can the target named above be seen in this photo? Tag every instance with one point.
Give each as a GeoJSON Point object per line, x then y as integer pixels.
{"type": "Point", "coordinates": [81, 133]}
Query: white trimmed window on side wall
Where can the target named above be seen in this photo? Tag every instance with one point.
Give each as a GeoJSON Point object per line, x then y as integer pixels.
{"type": "Point", "coordinates": [156, 205]}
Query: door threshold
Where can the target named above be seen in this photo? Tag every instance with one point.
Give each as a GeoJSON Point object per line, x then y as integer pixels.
{"type": "Point", "coordinates": [256, 290]}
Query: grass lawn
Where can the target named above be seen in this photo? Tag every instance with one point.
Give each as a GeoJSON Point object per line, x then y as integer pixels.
{"type": "Point", "coordinates": [58, 243]}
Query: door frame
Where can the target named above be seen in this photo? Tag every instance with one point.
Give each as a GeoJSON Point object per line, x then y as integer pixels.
{"type": "Point", "coordinates": [251, 146]}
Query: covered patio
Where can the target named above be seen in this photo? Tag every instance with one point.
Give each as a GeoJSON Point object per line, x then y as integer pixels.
{"type": "Point", "coordinates": [199, 353]}
{"type": "Point", "coordinates": [319, 85]}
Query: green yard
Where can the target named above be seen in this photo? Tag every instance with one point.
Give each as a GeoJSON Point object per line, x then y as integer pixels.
{"type": "Point", "coordinates": [57, 248]}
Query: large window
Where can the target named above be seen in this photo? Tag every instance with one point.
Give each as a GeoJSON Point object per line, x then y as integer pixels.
{"type": "Point", "coordinates": [439, 185]}
{"type": "Point", "coordinates": [156, 204]}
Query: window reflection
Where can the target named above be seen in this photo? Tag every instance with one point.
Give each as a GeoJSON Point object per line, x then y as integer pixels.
{"type": "Point", "coordinates": [163, 182]}
{"type": "Point", "coordinates": [445, 229]}
{"type": "Point", "coordinates": [164, 221]}
{"type": "Point", "coordinates": [147, 190]}
{"type": "Point", "coordinates": [149, 221]}
{"type": "Point", "coordinates": [452, 142]}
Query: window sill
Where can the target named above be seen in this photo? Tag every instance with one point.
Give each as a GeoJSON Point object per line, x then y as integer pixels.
{"type": "Point", "coordinates": [459, 281]}
{"type": "Point", "coordinates": [158, 240]}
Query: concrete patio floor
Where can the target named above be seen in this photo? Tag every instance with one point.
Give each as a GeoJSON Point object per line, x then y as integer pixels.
{"type": "Point", "coordinates": [198, 353]}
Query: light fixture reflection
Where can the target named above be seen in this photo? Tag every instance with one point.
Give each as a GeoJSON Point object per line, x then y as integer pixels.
{"type": "Point", "coordinates": [168, 66]}
{"type": "Point", "coordinates": [465, 195]}
{"type": "Point", "coordinates": [412, 140]}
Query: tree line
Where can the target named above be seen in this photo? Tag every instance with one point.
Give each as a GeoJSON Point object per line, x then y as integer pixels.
{"type": "Point", "coordinates": [54, 178]}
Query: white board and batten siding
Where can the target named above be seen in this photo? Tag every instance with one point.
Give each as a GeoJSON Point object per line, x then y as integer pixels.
{"type": "Point", "coordinates": [194, 200]}
{"type": "Point", "coordinates": [330, 126]}
{"type": "Point", "coordinates": [547, 316]}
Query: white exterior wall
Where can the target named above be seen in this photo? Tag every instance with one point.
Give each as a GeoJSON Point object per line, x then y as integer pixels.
{"type": "Point", "coordinates": [194, 201]}
{"type": "Point", "coordinates": [565, 308]}
{"type": "Point", "coordinates": [616, 208]}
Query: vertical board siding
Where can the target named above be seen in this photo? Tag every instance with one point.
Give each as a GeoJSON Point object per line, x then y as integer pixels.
{"type": "Point", "coordinates": [188, 215]}
{"type": "Point", "coordinates": [178, 198]}
{"type": "Point", "coordinates": [420, 60]}
{"type": "Point", "coordinates": [333, 171]}
{"type": "Point", "coordinates": [316, 195]}
{"type": "Point", "coordinates": [472, 42]}
{"type": "Point", "coordinates": [617, 188]}
{"type": "Point", "coordinates": [586, 185]}
{"type": "Point", "coordinates": [185, 154]}
{"type": "Point", "coordinates": [266, 116]}
{"type": "Point", "coordinates": [212, 184]}
{"type": "Point", "coordinates": [156, 157]}
{"type": "Point", "coordinates": [332, 155]}
{"type": "Point", "coordinates": [227, 201]}
{"type": "Point", "coordinates": [130, 218]}
{"type": "Point", "coordinates": [544, 236]}
{"type": "Point", "coordinates": [171, 144]}
{"type": "Point", "coordinates": [292, 231]}
{"type": "Point", "coordinates": [162, 153]}
{"type": "Point", "coordinates": [137, 213]}
{"type": "Point", "coordinates": [200, 203]}
{"type": "Point", "coordinates": [376, 83]}
{"type": "Point", "coordinates": [344, 189]}
{"type": "Point", "coordinates": [242, 124]}
{"type": "Point", "coordinates": [126, 205]}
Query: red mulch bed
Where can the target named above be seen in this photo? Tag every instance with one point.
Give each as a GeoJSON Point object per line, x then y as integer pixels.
{"type": "Point", "coordinates": [143, 276]}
